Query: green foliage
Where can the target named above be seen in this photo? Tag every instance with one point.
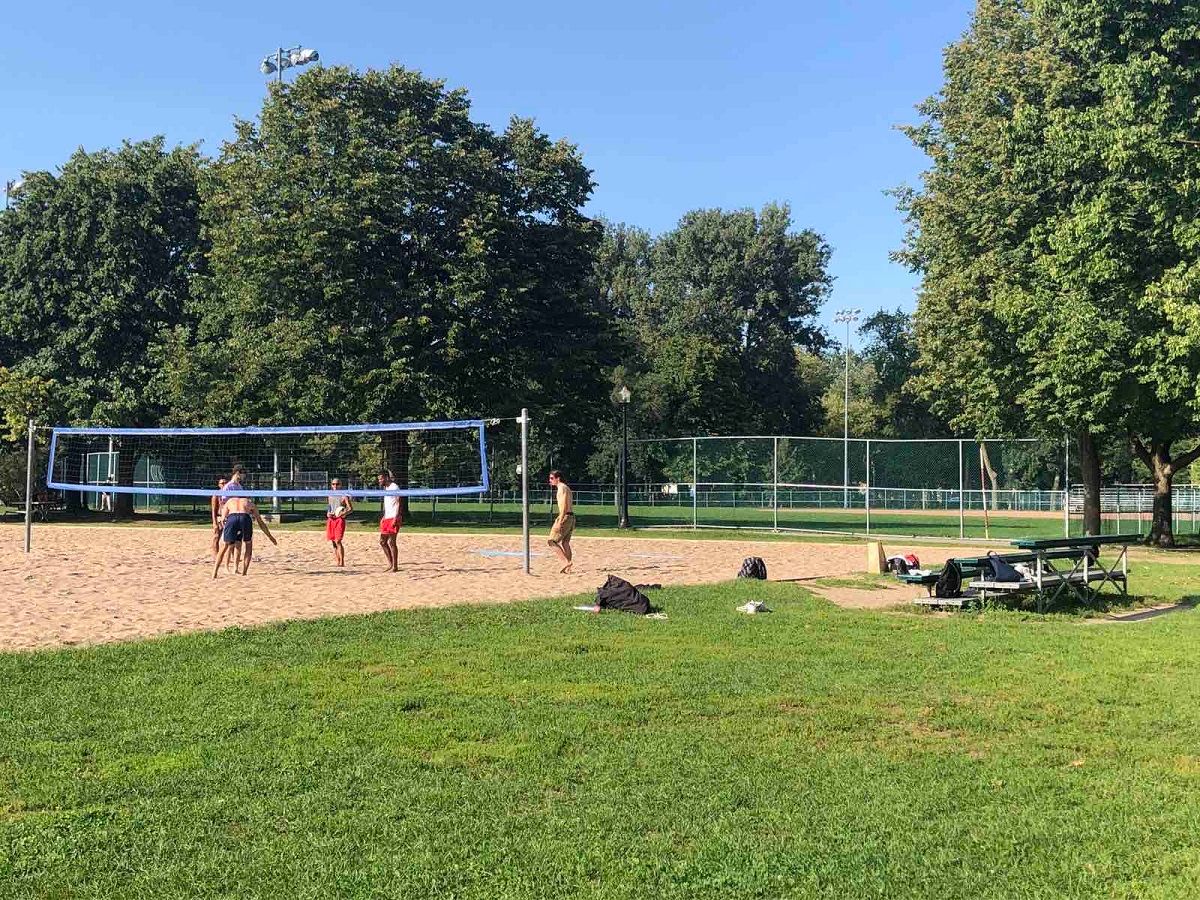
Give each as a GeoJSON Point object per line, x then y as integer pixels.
{"type": "Point", "coordinates": [378, 256]}
{"type": "Point", "coordinates": [712, 314]}
{"type": "Point", "coordinates": [97, 264]}
{"type": "Point", "coordinates": [1055, 231]}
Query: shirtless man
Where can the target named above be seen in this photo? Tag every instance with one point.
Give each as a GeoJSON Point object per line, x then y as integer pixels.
{"type": "Point", "coordinates": [216, 505]}
{"type": "Point", "coordinates": [240, 515]}
{"type": "Point", "coordinates": [564, 525]}
{"type": "Point", "coordinates": [337, 507]}
{"type": "Point", "coordinates": [389, 524]}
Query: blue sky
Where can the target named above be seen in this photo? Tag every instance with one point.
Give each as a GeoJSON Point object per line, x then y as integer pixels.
{"type": "Point", "coordinates": [675, 105]}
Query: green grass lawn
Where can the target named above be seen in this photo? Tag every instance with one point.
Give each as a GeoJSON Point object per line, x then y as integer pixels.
{"type": "Point", "coordinates": [533, 751]}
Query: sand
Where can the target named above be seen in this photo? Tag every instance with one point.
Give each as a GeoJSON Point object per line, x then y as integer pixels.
{"type": "Point", "coordinates": [94, 584]}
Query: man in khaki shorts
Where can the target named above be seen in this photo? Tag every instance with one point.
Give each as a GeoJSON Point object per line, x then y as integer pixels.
{"type": "Point", "coordinates": [564, 525]}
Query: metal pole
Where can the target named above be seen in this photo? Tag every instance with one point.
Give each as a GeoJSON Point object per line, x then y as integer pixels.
{"type": "Point", "coordinates": [775, 485]}
{"type": "Point", "coordinates": [623, 519]}
{"type": "Point", "coordinates": [867, 498]}
{"type": "Point", "coordinates": [279, 66]}
{"type": "Point", "coordinates": [275, 480]}
{"type": "Point", "coordinates": [525, 485]}
{"type": "Point", "coordinates": [695, 486]}
{"type": "Point", "coordinates": [29, 491]}
{"type": "Point", "coordinates": [846, 428]}
{"type": "Point", "coordinates": [962, 515]}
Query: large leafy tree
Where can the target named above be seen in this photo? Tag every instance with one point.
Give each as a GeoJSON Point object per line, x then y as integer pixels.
{"type": "Point", "coordinates": [377, 256]}
{"type": "Point", "coordinates": [1055, 230]}
{"type": "Point", "coordinates": [97, 265]}
{"type": "Point", "coordinates": [712, 314]}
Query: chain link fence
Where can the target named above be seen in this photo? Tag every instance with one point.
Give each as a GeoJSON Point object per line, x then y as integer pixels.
{"type": "Point", "coordinates": [939, 488]}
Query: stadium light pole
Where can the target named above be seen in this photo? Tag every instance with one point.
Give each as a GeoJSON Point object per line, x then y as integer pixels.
{"type": "Point", "coordinates": [286, 58]}
{"type": "Point", "coordinates": [11, 187]}
{"type": "Point", "coordinates": [624, 396]}
{"type": "Point", "coordinates": [849, 316]}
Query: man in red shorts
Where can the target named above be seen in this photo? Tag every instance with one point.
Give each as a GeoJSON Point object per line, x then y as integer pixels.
{"type": "Point", "coordinates": [337, 507]}
{"type": "Point", "coordinates": [389, 525]}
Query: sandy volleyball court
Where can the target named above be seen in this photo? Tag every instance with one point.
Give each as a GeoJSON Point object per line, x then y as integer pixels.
{"type": "Point", "coordinates": [91, 584]}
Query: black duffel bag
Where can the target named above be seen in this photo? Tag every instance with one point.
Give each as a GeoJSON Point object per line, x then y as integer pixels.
{"type": "Point", "coordinates": [617, 593]}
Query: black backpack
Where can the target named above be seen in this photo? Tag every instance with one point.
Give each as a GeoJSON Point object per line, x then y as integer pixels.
{"type": "Point", "coordinates": [949, 583]}
{"type": "Point", "coordinates": [1002, 571]}
{"type": "Point", "coordinates": [617, 593]}
{"type": "Point", "coordinates": [897, 565]}
{"type": "Point", "coordinates": [753, 567]}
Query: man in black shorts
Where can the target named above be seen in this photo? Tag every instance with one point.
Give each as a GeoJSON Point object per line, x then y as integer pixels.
{"type": "Point", "coordinates": [240, 515]}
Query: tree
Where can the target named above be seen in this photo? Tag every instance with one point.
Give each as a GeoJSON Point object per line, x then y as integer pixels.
{"type": "Point", "coordinates": [1055, 233]}
{"type": "Point", "coordinates": [890, 349]}
{"type": "Point", "coordinates": [97, 265]}
{"type": "Point", "coordinates": [713, 313]}
{"type": "Point", "coordinates": [378, 256]}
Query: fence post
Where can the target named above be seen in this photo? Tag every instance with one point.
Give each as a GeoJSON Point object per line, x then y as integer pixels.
{"type": "Point", "coordinates": [775, 483]}
{"type": "Point", "coordinates": [695, 486]}
{"type": "Point", "coordinates": [962, 515]}
{"type": "Point", "coordinates": [867, 498]}
{"type": "Point", "coordinates": [1067, 487]}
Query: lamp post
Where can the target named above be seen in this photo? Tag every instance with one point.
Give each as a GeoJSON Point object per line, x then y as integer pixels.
{"type": "Point", "coordinates": [849, 316]}
{"type": "Point", "coordinates": [11, 187]}
{"type": "Point", "coordinates": [275, 63]}
{"type": "Point", "coordinates": [624, 396]}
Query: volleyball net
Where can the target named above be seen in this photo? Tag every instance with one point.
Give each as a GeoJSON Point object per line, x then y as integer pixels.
{"type": "Point", "coordinates": [425, 459]}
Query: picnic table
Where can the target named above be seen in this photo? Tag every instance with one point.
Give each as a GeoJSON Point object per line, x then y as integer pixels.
{"type": "Point", "coordinates": [1050, 577]}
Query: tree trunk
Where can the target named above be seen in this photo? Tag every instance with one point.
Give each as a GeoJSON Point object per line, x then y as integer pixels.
{"type": "Point", "coordinates": [1089, 464]}
{"type": "Point", "coordinates": [1156, 456]}
{"type": "Point", "coordinates": [1162, 526]}
{"type": "Point", "coordinates": [122, 504]}
{"type": "Point", "coordinates": [74, 499]}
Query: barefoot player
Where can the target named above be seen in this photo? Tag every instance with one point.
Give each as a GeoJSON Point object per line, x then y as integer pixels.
{"type": "Point", "coordinates": [389, 524]}
{"type": "Point", "coordinates": [214, 507]}
{"type": "Point", "coordinates": [240, 515]}
{"type": "Point", "coordinates": [564, 525]}
{"type": "Point", "coordinates": [336, 510]}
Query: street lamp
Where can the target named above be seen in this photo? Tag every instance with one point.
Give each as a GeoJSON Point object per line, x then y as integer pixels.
{"type": "Point", "coordinates": [624, 396]}
{"type": "Point", "coordinates": [849, 316]}
{"type": "Point", "coordinates": [284, 59]}
{"type": "Point", "coordinates": [11, 187]}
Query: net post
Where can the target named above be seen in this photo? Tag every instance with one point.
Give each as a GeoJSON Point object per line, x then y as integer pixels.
{"type": "Point", "coordinates": [962, 515]}
{"type": "Point", "coordinates": [525, 485]}
{"type": "Point", "coordinates": [775, 483]}
{"type": "Point", "coordinates": [867, 496]}
{"type": "Point", "coordinates": [275, 507]}
{"type": "Point", "coordinates": [695, 486]}
{"type": "Point", "coordinates": [29, 490]}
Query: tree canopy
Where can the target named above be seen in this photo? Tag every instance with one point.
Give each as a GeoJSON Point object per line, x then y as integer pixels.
{"type": "Point", "coordinates": [1055, 228]}
{"type": "Point", "coordinates": [97, 266]}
